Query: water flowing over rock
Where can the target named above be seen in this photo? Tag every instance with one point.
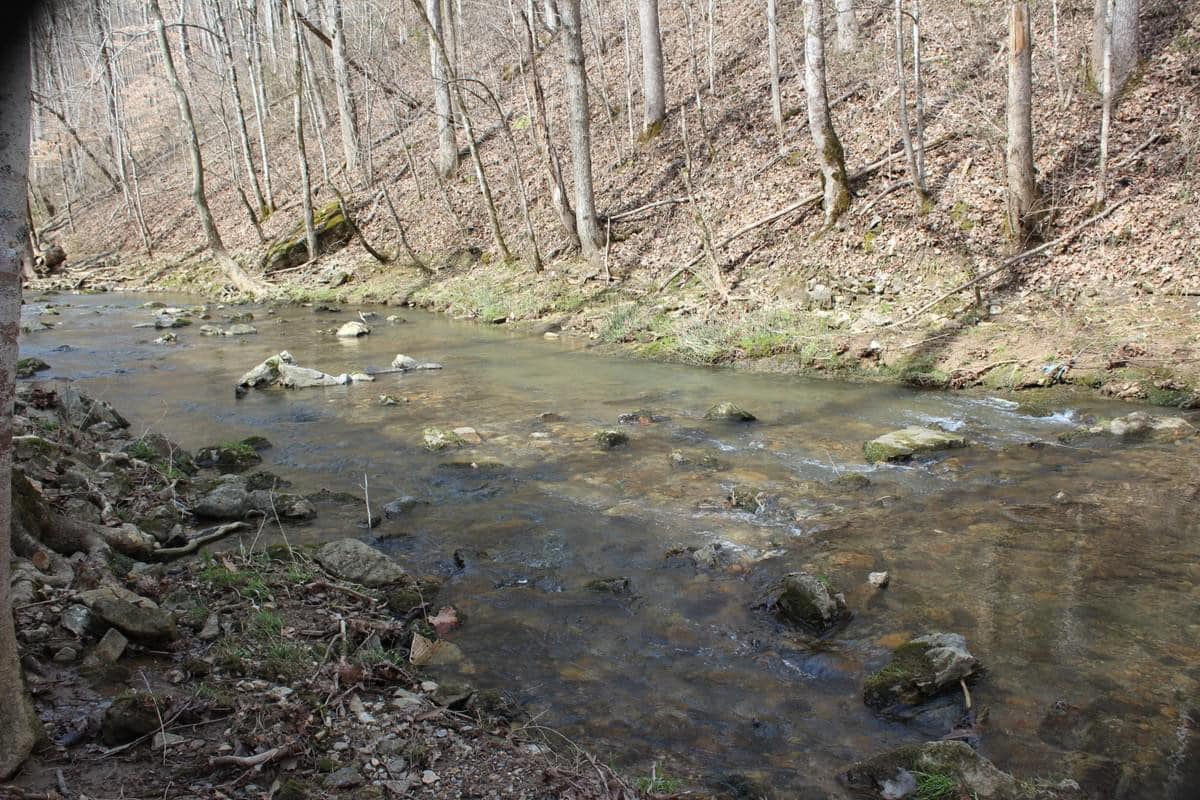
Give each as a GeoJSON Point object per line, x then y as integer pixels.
{"type": "Point", "coordinates": [920, 670]}
{"type": "Point", "coordinates": [352, 560]}
{"type": "Point", "coordinates": [282, 370]}
{"type": "Point", "coordinates": [807, 601]}
{"type": "Point", "coordinates": [971, 774]}
{"type": "Point", "coordinates": [903, 444]}
{"type": "Point", "coordinates": [1138, 426]}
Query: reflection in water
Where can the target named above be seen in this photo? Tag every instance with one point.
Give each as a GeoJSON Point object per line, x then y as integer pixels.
{"type": "Point", "coordinates": [1083, 605]}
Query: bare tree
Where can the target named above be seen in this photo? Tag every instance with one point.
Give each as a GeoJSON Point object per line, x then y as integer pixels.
{"type": "Point", "coordinates": [19, 724]}
{"type": "Point", "coordinates": [550, 17]}
{"type": "Point", "coordinates": [238, 109]}
{"type": "Point", "coordinates": [586, 224]}
{"type": "Point", "coordinates": [1108, 89]}
{"type": "Point", "coordinates": [915, 167]}
{"type": "Point", "coordinates": [1022, 186]}
{"type": "Point", "coordinates": [233, 271]}
{"type": "Point", "coordinates": [847, 26]}
{"type": "Point", "coordinates": [1115, 27]}
{"type": "Point", "coordinates": [347, 115]}
{"type": "Point", "coordinates": [773, 67]}
{"type": "Point", "coordinates": [830, 157]}
{"type": "Point", "coordinates": [447, 161]}
{"type": "Point", "coordinates": [654, 105]}
{"type": "Point", "coordinates": [310, 232]}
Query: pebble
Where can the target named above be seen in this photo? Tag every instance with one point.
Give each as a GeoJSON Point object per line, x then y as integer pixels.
{"type": "Point", "coordinates": [66, 655]}
{"type": "Point", "coordinates": [429, 777]}
{"type": "Point", "coordinates": [879, 579]}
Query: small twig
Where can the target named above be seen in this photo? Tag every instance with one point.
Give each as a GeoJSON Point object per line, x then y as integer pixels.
{"type": "Point", "coordinates": [1137, 150]}
{"type": "Point", "coordinates": [367, 500]}
{"type": "Point", "coordinates": [966, 693]}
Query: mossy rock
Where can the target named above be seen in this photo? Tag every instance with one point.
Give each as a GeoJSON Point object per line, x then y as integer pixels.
{"type": "Point", "coordinates": [436, 439]}
{"type": "Point", "coordinates": [291, 249]}
{"type": "Point", "coordinates": [28, 367]}
{"type": "Point", "coordinates": [132, 715]}
{"type": "Point", "coordinates": [729, 412]}
{"type": "Point", "coordinates": [958, 768]}
{"type": "Point", "coordinates": [903, 444]}
{"type": "Point", "coordinates": [807, 601]}
{"type": "Point", "coordinates": [918, 671]}
{"type": "Point", "coordinates": [620, 585]}
{"type": "Point", "coordinates": [229, 457]}
{"type": "Point", "coordinates": [608, 439]}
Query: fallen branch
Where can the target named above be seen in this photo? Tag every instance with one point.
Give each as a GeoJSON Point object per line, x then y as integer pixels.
{"type": "Point", "coordinates": [416, 259]}
{"type": "Point", "coordinates": [1137, 150]}
{"type": "Point", "coordinates": [375, 254]}
{"type": "Point", "coordinates": [247, 762]}
{"type": "Point", "coordinates": [670, 201]}
{"type": "Point", "coordinates": [859, 174]}
{"type": "Point", "coordinates": [211, 535]}
{"type": "Point", "coordinates": [1013, 261]}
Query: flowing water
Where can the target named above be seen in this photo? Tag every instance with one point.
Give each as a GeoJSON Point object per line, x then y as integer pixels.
{"type": "Point", "coordinates": [1074, 573]}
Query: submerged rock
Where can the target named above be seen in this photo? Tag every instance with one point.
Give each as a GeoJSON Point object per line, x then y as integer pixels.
{"type": "Point", "coordinates": [608, 439]}
{"type": "Point", "coordinates": [620, 585]}
{"type": "Point", "coordinates": [807, 601]}
{"type": "Point", "coordinates": [920, 670]}
{"type": "Point", "coordinates": [903, 444]}
{"type": "Point", "coordinates": [729, 412]}
{"type": "Point", "coordinates": [352, 560]}
{"type": "Point", "coordinates": [241, 329]}
{"type": "Point", "coordinates": [399, 507]}
{"type": "Point", "coordinates": [437, 439]}
{"type": "Point", "coordinates": [231, 457]}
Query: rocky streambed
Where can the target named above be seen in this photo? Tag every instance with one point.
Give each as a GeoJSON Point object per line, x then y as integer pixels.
{"type": "Point", "coordinates": [741, 583]}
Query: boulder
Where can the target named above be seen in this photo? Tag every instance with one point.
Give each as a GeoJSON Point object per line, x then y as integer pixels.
{"type": "Point", "coordinates": [1138, 426]}
{"type": "Point", "coordinates": [82, 412]}
{"type": "Point", "coordinates": [399, 507]}
{"type": "Point", "coordinates": [912, 441]}
{"type": "Point", "coordinates": [352, 560]}
{"type": "Point", "coordinates": [807, 601]}
{"type": "Point", "coordinates": [234, 500]}
{"type": "Point", "coordinates": [240, 329]}
{"type": "Point", "coordinates": [404, 362]}
{"type": "Point", "coordinates": [919, 671]}
{"type": "Point", "coordinates": [291, 249]}
{"type": "Point", "coordinates": [229, 457]}
{"type": "Point", "coordinates": [729, 412]}
{"type": "Point", "coordinates": [282, 370]}
{"type": "Point", "coordinates": [608, 439]}
{"type": "Point", "coordinates": [133, 615]}
{"type": "Point", "coordinates": [353, 329]}
{"type": "Point", "coordinates": [437, 439]}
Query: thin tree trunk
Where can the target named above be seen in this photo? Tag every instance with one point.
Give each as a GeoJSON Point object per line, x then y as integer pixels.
{"type": "Point", "coordinates": [1022, 188]}
{"type": "Point", "coordinates": [74, 134]}
{"type": "Point", "coordinates": [918, 94]}
{"type": "Point", "coordinates": [1122, 17]}
{"type": "Point", "coordinates": [347, 114]}
{"type": "Point", "coordinates": [773, 66]}
{"type": "Point", "coordinates": [1107, 91]}
{"type": "Point", "coordinates": [110, 97]}
{"type": "Point", "coordinates": [447, 158]}
{"type": "Point", "coordinates": [626, 39]}
{"type": "Point", "coordinates": [847, 26]}
{"type": "Point", "coordinates": [914, 172]}
{"type": "Point", "coordinates": [310, 233]}
{"type": "Point", "coordinates": [237, 276]}
{"type": "Point", "coordinates": [654, 103]}
{"type": "Point", "coordinates": [66, 187]}
{"type": "Point", "coordinates": [19, 723]}
{"type": "Point", "coordinates": [831, 158]}
{"type": "Point", "coordinates": [261, 110]}
{"type": "Point", "coordinates": [1058, 78]}
{"type": "Point", "coordinates": [575, 65]}
{"type": "Point", "coordinates": [712, 47]}
{"type": "Point", "coordinates": [550, 16]}
{"type": "Point", "coordinates": [238, 109]}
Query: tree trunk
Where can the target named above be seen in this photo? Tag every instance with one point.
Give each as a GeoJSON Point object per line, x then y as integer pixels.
{"type": "Point", "coordinates": [238, 109]}
{"type": "Point", "coordinates": [310, 233]}
{"type": "Point", "coordinates": [847, 26]}
{"type": "Point", "coordinates": [654, 105]}
{"type": "Point", "coordinates": [447, 160]}
{"type": "Point", "coordinates": [550, 15]}
{"type": "Point", "coordinates": [257, 84]}
{"type": "Point", "coordinates": [586, 224]}
{"type": "Point", "coordinates": [1125, 41]}
{"type": "Point", "coordinates": [831, 158]}
{"type": "Point", "coordinates": [19, 725]}
{"type": "Point", "coordinates": [1022, 188]}
{"type": "Point", "coordinates": [773, 65]}
{"type": "Point", "coordinates": [1108, 90]}
{"type": "Point", "coordinates": [237, 276]}
{"type": "Point", "coordinates": [914, 172]}
{"type": "Point", "coordinates": [347, 114]}
{"type": "Point", "coordinates": [74, 134]}
{"type": "Point", "coordinates": [110, 97]}
{"type": "Point", "coordinates": [918, 92]}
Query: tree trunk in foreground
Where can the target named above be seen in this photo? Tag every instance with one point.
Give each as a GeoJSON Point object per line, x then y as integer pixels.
{"type": "Point", "coordinates": [654, 105]}
{"type": "Point", "coordinates": [586, 224]}
{"type": "Point", "coordinates": [19, 725]}
{"type": "Point", "coordinates": [1022, 189]}
{"type": "Point", "coordinates": [233, 271]}
{"type": "Point", "coordinates": [830, 156]}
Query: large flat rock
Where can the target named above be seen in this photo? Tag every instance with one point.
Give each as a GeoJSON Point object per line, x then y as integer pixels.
{"type": "Point", "coordinates": [912, 441]}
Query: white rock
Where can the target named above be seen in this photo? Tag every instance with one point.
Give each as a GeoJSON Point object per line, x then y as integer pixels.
{"type": "Point", "coordinates": [879, 579]}
{"type": "Point", "coordinates": [353, 329]}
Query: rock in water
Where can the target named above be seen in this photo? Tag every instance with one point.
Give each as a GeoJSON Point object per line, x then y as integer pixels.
{"type": "Point", "coordinates": [241, 329]}
{"type": "Point", "coordinates": [608, 439]}
{"type": "Point", "coordinates": [729, 412]}
{"type": "Point", "coordinates": [357, 561]}
{"type": "Point", "coordinates": [919, 670]}
{"type": "Point", "coordinates": [972, 774]}
{"type": "Point", "coordinates": [28, 367]}
{"type": "Point", "coordinates": [903, 444]}
{"type": "Point", "coordinates": [1138, 426]}
{"type": "Point", "coordinates": [437, 439]}
{"type": "Point", "coordinates": [879, 580]}
{"type": "Point", "coordinates": [404, 362]}
{"type": "Point", "coordinates": [807, 601]}
{"type": "Point", "coordinates": [353, 329]}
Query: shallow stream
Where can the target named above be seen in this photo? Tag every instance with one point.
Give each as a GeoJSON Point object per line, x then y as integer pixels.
{"type": "Point", "coordinates": [1074, 572]}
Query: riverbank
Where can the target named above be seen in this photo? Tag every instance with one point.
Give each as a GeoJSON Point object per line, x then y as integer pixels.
{"type": "Point", "coordinates": [1138, 348]}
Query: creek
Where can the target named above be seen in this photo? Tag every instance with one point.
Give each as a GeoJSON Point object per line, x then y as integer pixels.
{"type": "Point", "coordinates": [1073, 571]}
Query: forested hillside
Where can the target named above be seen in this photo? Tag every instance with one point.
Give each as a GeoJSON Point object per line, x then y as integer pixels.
{"type": "Point", "coordinates": [705, 236]}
